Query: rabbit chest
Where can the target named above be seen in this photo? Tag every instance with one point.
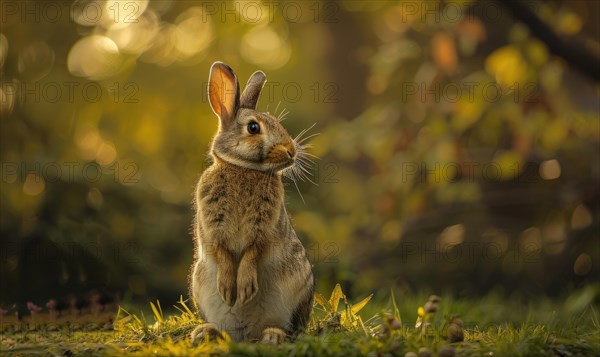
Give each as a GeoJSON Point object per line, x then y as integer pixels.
{"type": "Point", "coordinates": [234, 204]}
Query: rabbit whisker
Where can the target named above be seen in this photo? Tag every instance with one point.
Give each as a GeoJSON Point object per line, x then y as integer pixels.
{"type": "Point", "coordinates": [299, 136]}
{"type": "Point", "coordinates": [277, 107]}
{"type": "Point", "coordinates": [306, 156]}
{"type": "Point", "coordinates": [284, 112]}
{"type": "Point", "coordinates": [302, 169]}
{"type": "Point", "coordinates": [308, 137]}
{"type": "Point", "coordinates": [307, 178]}
{"type": "Point", "coordinates": [300, 193]}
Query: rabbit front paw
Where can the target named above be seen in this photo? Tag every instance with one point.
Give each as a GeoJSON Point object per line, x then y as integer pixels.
{"type": "Point", "coordinates": [205, 332]}
{"type": "Point", "coordinates": [247, 285]}
{"type": "Point", "coordinates": [273, 335]}
{"type": "Point", "coordinates": [226, 287]}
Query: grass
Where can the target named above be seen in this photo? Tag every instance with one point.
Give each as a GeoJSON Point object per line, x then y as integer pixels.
{"type": "Point", "coordinates": [491, 326]}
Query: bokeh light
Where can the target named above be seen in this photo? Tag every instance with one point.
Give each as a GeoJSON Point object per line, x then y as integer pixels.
{"type": "Point", "coordinates": [96, 57]}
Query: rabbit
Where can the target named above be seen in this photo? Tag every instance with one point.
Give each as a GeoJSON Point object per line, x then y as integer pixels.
{"type": "Point", "coordinates": [251, 276]}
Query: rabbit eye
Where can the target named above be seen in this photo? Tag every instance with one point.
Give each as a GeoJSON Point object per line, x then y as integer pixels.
{"type": "Point", "coordinates": [253, 127]}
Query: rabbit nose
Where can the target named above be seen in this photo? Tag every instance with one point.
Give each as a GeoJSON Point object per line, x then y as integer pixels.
{"type": "Point", "coordinates": [291, 151]}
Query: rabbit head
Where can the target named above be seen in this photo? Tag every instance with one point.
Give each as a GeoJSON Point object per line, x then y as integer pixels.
{"type": "Point", "coordinates": [246, 137]}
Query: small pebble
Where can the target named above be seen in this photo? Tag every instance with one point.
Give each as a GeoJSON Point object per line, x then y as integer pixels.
{"type": "Point", "coordinates": [447, 351]}
{"type": "Point", "coordinates": [455, 331]}
{"type": "Point", "coordinates": [430, 307]}
{"type": "Point", "coordinates": [456, 320]}
{"type": "Point", "coordinates": [410, 354]}
{"type": "Point", "coordinates": [385, 330]}
{"type": "Point", "coordinates": [435, 298]}
{"type": "Point", "coordinates": [424, 352]}
{"type": "Point", "coordinates": [394, 346]}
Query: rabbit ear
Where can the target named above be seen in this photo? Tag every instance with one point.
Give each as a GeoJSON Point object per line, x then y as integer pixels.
{"type": "Point", "coordinates": [252, 91]}
{"type": "Point", "coordinates": [223, 92]}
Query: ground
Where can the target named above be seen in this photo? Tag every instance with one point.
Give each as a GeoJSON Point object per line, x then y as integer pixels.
{"type": "Point", "coordinates": [400, 325]}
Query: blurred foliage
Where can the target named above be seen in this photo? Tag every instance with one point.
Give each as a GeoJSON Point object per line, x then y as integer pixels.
{"type": "Point", "coordinates": [456, 151]}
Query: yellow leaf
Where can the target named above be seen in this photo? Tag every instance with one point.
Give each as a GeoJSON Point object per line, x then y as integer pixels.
{"type": "Point", "coordinates": [346, 320]}
{"type": "Point", "coordinates": [396, 310]}
{"type": "Point", "coordinates": [320, 299]}
{"type": "Point", "coordinates": [554, 134]}
{"type": "Point", "coordinates": [157, 311]}
{"type": "Point", "coordinates": [358, 306]}
{"type": "Point", "coordinates": [507, 65]}
{"type": "Point", "coordinates": [336, 295]}
{"type": "Point", "coordinates": [537, 52]}
{"type": "Point", "coordinates": [569, 24]}
{"type": "Point", "coordinates": [506, 166]}
{"type": "Point", "coordinates": [182, 303]}
{"type": "Point", "coordinates": [468, 112]}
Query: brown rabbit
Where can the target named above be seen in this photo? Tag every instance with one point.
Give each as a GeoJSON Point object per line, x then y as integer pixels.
{"type": "Point", "coordinates": [251, 277]}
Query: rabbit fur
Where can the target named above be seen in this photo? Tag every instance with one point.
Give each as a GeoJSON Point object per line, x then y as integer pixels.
{"type": "Point", "coordinates": [251, 277]}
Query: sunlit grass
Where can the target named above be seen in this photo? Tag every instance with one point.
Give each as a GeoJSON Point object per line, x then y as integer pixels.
{"type": "Point", "coordinates": [492, 326]}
